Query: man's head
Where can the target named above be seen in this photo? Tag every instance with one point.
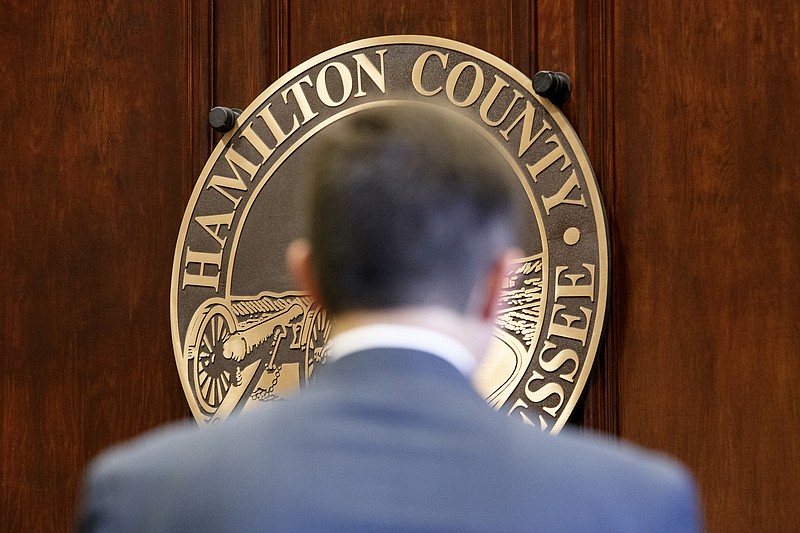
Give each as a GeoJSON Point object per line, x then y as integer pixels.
{"type": "Point", "coordinates": [408, 208]}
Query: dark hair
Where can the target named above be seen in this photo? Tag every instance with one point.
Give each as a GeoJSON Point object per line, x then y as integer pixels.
{"type": "Point", "coordinates": [407, 208]}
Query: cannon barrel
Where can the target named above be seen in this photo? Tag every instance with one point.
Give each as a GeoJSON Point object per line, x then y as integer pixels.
{"type": "Point", "coordinates": [241, 343]}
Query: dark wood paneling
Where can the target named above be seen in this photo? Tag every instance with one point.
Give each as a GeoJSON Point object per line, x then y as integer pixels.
{"type": "Point", "coordinates": [688, 114]}
{"type": "Point", "coordinates": [706, 211]}
{"type": "Point", "coordinates": [251, 49]}
{"type": "Point", "coordinates": [198, 24]}
{"type": "Point", "coordinates": [574, 37]}
{"type": "Point", "coordinates": [94, 160]}
{"type": "Point", "coordinates": [316, 25]}
{"type": "Point", "coordinates": [596, 127]}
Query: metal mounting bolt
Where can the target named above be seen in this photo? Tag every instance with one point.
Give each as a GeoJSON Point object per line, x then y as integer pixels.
{"type": "Point", "coordinates": [223, 119]}
{"type": "Point", "coordinates": [555, 86]}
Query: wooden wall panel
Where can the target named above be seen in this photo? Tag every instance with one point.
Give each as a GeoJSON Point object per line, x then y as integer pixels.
{"type": "Point", "coordinates": [687, 111]}
{"type": "Point", "coordinates": [198, 26]}
{"type": "Point", "coordinates": [95, 160]}
{"type": "Point", "coordinates": [706, 209]}
{"type": "Point", "coordinates": [317, 25]}
{"type": "Point", "coordinates": [251, 49]}
{"type": "Point", "coordinates": [575, 38]}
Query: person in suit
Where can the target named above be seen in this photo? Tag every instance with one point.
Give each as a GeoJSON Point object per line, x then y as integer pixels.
{"type": "Point", "coordinates": [411, 229]}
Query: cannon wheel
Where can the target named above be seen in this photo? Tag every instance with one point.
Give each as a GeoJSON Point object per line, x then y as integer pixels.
{"type": "Point", "coordinates": [316, 329]}
{"type": "Point", "coordinates": [210, 373]}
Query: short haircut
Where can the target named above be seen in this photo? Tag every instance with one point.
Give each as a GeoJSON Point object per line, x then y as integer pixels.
{"type": "Point", "coordinates": [408, 207]}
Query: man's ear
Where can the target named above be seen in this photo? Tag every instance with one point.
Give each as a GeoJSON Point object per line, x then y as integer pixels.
{"type": "Point", "coordinates": [495, 280]}
{"type": "Point", "coordinates": [301, 268]}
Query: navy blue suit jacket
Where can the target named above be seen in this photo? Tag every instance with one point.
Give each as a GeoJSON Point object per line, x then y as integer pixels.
{"type": "Point", "coordinates": [385, 440]}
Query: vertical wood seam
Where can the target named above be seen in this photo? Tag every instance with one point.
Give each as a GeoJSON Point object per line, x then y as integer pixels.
{"type": "Point", "coordinates": [604, 413]}
{"type": "Point", "coordinates": [534, 22]}
{"type": "Point", "coordinates": [278, 14]}
{"type": "Point", "coordinates": [199, 37]}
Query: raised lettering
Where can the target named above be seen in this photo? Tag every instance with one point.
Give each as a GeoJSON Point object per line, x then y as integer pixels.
{"type": "Point", "coordinates": [206, 261]}
{"type": "Point", "coordinates": [561, 196]}
{"type": "Point", "coordinates": [558, 360]}
{"type": "Point", "coordinates": [477, 84]}
{"type": "Point", "coordinates": [567, 330]}
{"type": "Point", "coordinates": [544, 392]}
{"type": "Point", "coordinates": [525, 139]}
{"type": "Point", "coordinates": [300, 96]}
{"type": "Point", "coordinates": [258, 143]}
{"type": "Point", "coordinates": [378, 78]}
{"type": "Point", "coordinates": [275, 128]}
{"type": "Point", "coordinates": [221, 183]}
{"type": "Point", "coordinates": [322, 84]}
{"type": "Point", "coordinates": [419, 66]}
{"type": "Point", "coordinates": [554, 155]}
{"type": "Point", "coordinates": [572, 289]}
{"type": "Point", "coordinates": [519, 406]}
{"type": "Point", "coordinates": [213, 223]}
{"type": "Point", "coordinates": [491, 98]}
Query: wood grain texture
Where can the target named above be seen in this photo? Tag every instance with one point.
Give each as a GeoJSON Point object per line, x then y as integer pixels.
{"type": "Point", "coordinates": [94, 160]}
{"type": "Point", "coordinates": [573, 37]}
{"type": "Point", "coordinates": [317, 25]}
{"type": "Point", "coordinates": [198, 23]}
{"type": "Point", "coordinates": [250, 49]}
{"type": "Point", "coordinates": [595, 126]}
{"type": "Point", "coordinates": [688, 112]}
{"type": "Point", "coordinates": [706, 207]}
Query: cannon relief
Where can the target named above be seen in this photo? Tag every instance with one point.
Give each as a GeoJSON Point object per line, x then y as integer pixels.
{"type": "Point", "coordinates": [248, 350]}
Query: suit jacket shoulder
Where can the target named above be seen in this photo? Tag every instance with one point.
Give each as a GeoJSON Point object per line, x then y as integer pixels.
{"type": "Point", "coordinates": [389, 440]}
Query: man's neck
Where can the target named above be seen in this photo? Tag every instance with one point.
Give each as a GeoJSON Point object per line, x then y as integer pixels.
{"type": "Point", "coordinates": [472, 333]}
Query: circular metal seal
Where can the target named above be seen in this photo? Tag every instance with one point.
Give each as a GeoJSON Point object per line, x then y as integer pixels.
{"type": "Point", "coordinates": [243, 337]}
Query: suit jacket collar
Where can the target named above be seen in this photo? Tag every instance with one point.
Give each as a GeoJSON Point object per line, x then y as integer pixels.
{"type": "Point", "coordinates": [388, 367]}
{"type": "Point", "coordinates": [402, 336]}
